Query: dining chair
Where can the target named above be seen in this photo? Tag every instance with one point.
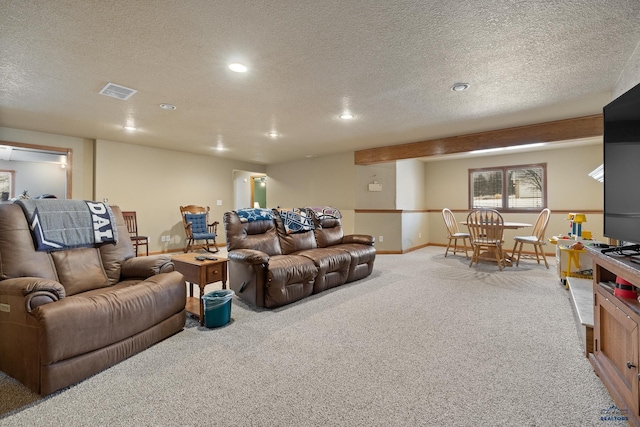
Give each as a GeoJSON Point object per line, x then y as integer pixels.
{"type": "Point", "coordinates": [197, 227]}
{"type": "Point", "coordinates": [536, 238]}
{"type": "Point", "coordinates": [130, 218]}
{"type": "Point", "coordinates": [454, 233]}
{"type": "Point", "coordinates": [486, 230]}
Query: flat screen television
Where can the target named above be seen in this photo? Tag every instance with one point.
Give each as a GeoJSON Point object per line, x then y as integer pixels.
{"type": "Point", "coordinates": [622, 168]}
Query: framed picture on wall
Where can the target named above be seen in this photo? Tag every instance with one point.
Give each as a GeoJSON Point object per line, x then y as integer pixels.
{"type": "Point", "coordinates": [6, 184]}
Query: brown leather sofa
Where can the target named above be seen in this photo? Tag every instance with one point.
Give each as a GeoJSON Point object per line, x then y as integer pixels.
{"type": "Point", "coordinates": [68, 314]}
{"type": "Point", "coordinates": [270, 267]}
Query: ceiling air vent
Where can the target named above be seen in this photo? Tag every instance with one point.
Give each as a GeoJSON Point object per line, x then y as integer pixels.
{"type": "Point", "coordinates": [117, 91]}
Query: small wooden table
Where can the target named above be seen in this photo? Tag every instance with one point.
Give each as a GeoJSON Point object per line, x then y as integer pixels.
{"type": "Point", "coordinates": [200, 273]}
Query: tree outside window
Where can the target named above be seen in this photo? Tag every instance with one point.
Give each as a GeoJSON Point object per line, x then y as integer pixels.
{"type": "Point", "coordinates": [508, 188]}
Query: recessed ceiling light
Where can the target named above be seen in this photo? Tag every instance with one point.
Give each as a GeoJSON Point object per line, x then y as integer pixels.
{"type": "Point", "coordinates": [130, 128]}
{"type": "Point", "coordinates": [168, 106]}
{"type": "Point", "coordinates": [346, 116]}
{"type": "Point", "coordinates": [273, 134]}
{"type": "Point", "coordinates": [459, 87]}
{"type": "Point", "coordinates": [238, 68]}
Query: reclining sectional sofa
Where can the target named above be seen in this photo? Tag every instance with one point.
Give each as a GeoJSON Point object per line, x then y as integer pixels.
{"type": "Point", "coordinates": [68, 314]}
{"type": "Point", "coordinates": [277, 257]}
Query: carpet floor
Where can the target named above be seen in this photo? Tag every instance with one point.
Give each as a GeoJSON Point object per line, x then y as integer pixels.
{"type": "Point", "coordinates": [424, 341]}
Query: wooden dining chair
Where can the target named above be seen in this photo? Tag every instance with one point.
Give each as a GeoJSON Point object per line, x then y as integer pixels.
{"type": "Point", "coordinates": [197, 227]}
{"type": "Point", "coordinates": [454, 233]}
{"type": "Point", "coordinates": [130, 218]}
{"type": "Point", "coordinates": [486, 230]}
{"type": "Point", "coordinates": [536, 238]}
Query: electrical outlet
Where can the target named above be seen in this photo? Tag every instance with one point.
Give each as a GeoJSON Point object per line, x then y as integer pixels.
{"type": "Point", "coordinates": [419, 235]}
{"type": "Point", "coordinates": [162, 238]}
{"type": "Point", "coordinates": [381, 239]}
{"type": "Point", "coordinates": [219, 202]}
{"type": "Point", "coordinates": [167, 238]}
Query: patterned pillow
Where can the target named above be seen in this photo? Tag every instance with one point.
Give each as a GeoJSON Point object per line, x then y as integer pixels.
{"type": "Point", "coordinates": [253, 214]}
{"type": "Point", "coordinates": [296, 221]}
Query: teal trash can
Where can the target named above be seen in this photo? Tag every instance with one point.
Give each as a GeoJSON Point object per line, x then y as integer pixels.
{"type": "Point", "coordinates": [217, 308]}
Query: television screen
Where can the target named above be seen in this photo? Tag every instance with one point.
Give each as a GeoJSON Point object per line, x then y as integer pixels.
{"type": "Point", "coordinates": [622, 167]}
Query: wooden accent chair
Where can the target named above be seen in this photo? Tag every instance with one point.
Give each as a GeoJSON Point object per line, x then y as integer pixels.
{"type": "Point", "coordinates": [454, 233]}
{"type": "Point", "coordinates": [536, 238]}
{"type": "Point", "coordinates": [486, 228]}
{"type": "Point", "coordinates": [197, 227]}
{"type": "Point", "coordinates": [131, 220]}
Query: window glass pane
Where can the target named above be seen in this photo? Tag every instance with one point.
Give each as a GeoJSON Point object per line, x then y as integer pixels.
{"type": "Point", "coordinates": [6, 184]}
{"type": "Point", "coordinates": [486, 189]}
{"type": "Point", "coordinates": [525, 188]}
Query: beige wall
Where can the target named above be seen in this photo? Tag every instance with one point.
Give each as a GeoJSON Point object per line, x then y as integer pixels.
{"type": "Point", "coordinates": [410, 184]}
{"type": "Point", "coordinates": [385, 175]}
{"type": "Point", "coordinates": [156, 182]}
{"type": "Point", "coordinates": [321, 181]}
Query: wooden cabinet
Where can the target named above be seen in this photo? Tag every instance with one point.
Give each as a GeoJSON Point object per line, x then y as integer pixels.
{"type": "Point", "coordinates": [616, 357]}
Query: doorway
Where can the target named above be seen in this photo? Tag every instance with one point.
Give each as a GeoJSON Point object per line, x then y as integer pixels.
{"type": "Point", "coordinates": [259, 191]}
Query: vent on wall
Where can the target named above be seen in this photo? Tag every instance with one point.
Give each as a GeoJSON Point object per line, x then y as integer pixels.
{"type": "Point", "coordinates": [117, 91]}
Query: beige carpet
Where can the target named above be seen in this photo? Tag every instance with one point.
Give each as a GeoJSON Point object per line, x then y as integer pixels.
{"type": "Point", "coordinates": [424, 341]}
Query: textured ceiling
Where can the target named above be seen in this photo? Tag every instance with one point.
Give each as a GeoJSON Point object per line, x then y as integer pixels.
{"type": "Point", "coordinates": [391, 63]}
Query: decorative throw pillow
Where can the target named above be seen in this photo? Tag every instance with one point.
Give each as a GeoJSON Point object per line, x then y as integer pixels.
{"type": "Point", "coordinates": [296, 221]}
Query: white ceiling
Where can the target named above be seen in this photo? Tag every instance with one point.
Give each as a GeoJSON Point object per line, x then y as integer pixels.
{"type": "Point", "coordinates": [391, 63]}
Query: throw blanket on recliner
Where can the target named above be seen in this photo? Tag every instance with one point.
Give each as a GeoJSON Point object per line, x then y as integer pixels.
{"type": "Point", "coordinates": [254, 214]}
{"type": "Point", "coordinates": [296, 221]}
{"type": "Point", "coordinates": [64, 224]}
{"type": "Point", "coordinates": [323, 212]}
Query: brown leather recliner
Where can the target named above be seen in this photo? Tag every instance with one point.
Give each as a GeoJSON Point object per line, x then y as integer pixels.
{"type": "Point", "coordinates": [269, 267]}
{"type": "Point", "coordinates": [69, 314]}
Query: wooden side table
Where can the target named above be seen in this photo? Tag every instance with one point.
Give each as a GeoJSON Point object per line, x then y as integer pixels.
{"type": "Point", "coordinates": [200, 273]}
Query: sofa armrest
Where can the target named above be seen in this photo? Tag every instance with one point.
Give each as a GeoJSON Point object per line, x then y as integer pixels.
{"type": "Point", "coordinates": [363, 239]}
{"type": "Point", "coordinates": [35, 290]}
{"type": "Point", "coordinates": [147, 266]}
{"type": "Point", "coordinates": [248, 256]}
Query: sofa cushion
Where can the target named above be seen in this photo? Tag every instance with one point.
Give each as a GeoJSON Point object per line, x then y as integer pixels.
{"type": "Point", "coordinates": [80, 270]}
{"type": "Point", "coordinates": [18, 257]}
{"type": "Point", "coordinates": [333, 267]}
{"type": "Point", "coordinates": [329, 236]}
{"type": "Point", "coordinates": [260, 235]}
{"type": "Point", "coordinates": [362, 258]}
{"type": "Point", "coordinates": [92, 320]}
{"type": "Point", "coordinates": [293, 242]}
{"type": "Point", "coordinates": [289, 278]}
